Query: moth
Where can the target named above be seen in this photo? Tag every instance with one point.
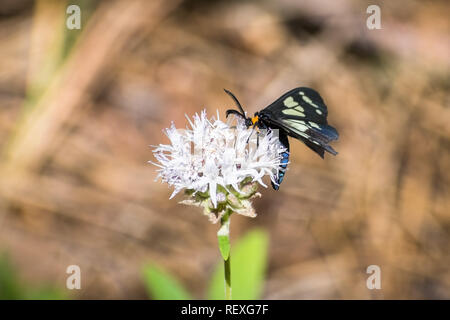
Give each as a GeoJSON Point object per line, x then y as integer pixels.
{"type": "Point", "coordinates": [300, 113]}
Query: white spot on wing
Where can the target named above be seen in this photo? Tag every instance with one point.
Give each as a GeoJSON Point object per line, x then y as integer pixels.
{"type": "Point", "coordinates": [298, 121]}
{"type": "Point", "coordinates": [298, 125]}
{"type": "Point", "coordinates": [293, 112]}
{"type": "Point", "coordinates": [290, 102]}
{"type": "Point", "coordinates": [315, 125]}
{"type": "Point", "coordinates": [309, 101]}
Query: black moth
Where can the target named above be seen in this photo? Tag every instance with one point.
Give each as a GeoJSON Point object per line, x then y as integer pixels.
{"type": "Point", "coordinates": [299, 113]}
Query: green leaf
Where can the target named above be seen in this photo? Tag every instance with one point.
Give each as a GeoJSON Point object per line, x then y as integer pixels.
{"type": "Point", "coordinates": [248, 265]}
{"type": "Point", "coordinates": [163, 286]}
{"type": "Point", "coordinates": [224, 246]}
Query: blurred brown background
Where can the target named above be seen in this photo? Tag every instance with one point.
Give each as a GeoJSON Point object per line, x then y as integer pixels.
{"type": "Point", "coordinates": [79, 109]}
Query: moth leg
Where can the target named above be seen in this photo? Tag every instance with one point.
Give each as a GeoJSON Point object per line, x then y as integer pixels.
{"type": "Point", "coordinates": [257, 139]}
{"type": "Point", "coordinates": [253, 130]}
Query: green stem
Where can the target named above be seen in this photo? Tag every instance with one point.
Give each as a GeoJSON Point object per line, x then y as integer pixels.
{"type": "Point", "coordinates": [227, 265]}
{"type": "Point", "coordinates": [224, 246]}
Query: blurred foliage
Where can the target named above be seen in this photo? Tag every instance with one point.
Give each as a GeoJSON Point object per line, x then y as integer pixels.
{"type": "Point", "coordinates": [13, 288]}
{"type": "Point", "coordinates": [248, 265]}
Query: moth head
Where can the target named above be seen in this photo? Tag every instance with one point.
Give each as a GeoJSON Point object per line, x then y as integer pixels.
{"type": "Point", "coordinates": [249, 122]}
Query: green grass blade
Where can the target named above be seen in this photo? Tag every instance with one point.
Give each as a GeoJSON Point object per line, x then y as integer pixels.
{"type": "Point", "coordinates": [163, 286]}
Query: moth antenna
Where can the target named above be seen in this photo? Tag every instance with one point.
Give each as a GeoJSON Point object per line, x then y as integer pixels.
{"type": "Point", "coordinates": [232, 111]}
{"type": "Point", "coordinates": [236, 101]}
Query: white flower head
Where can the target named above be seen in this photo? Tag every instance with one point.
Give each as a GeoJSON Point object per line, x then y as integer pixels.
{"type": "Point", "coordinates": [217, 164]}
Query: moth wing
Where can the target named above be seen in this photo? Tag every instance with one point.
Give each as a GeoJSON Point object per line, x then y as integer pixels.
{"type": "Point", "coordinates": [302, 102]}
{"type": "Point", "coordinates": [302, 114]}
